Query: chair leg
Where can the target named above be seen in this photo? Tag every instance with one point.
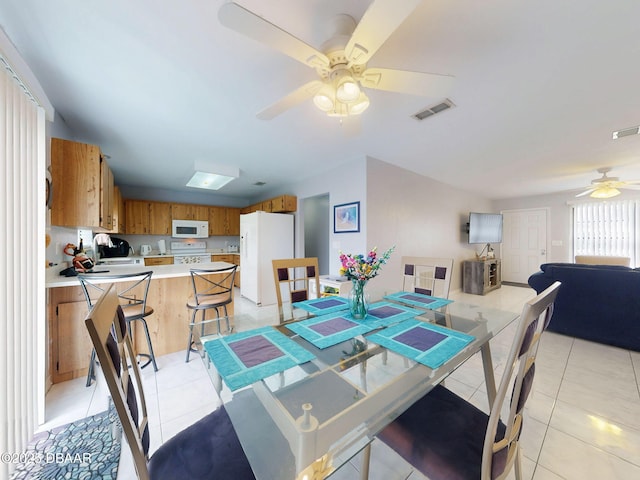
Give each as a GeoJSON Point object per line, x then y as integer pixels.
{"type": "Point", "coordinates": [91, 375]}
{"type": "Point", "coordinates": [150, 355]}
{"type": "Point", "coordinates": [518, 464]}
{"type": "Point", "coordinates": [193, 319]}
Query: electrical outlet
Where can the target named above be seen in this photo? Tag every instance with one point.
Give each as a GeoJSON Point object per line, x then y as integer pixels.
{"type": "Point", "coordinates": [87, 238]}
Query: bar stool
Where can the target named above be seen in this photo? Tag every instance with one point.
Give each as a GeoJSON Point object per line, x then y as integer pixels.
{"type": "Point", "coordinates": [212, 289]}
{"type": "Point", "coordinates": [133, 300]}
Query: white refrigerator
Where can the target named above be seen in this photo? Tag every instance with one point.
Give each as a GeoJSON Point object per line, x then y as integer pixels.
{"type": "Point", "coordinates": [263, 237]}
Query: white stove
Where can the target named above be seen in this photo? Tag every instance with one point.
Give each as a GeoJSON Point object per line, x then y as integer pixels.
{"type": "Point", "coordinates": [190, 252]}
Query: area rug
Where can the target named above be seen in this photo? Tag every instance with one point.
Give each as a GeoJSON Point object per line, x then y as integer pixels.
{"type": "Point", "coordinates": [85, 449]}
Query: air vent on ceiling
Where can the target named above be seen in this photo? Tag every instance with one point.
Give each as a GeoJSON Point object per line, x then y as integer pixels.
{"type": "Point", "coordinates": [260, 184]}
{"type": "Point", "coordinates": [432, 110]}
{"type": "Point", "coordinates": [626, 132]}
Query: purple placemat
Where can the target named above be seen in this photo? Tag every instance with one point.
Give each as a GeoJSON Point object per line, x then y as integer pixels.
{"type": "Point", "coordinates": [253, 351]}
{"type": "Point", "coordinates": [420, 338]}
{"type": "Point", "coordinates": [333, 325]}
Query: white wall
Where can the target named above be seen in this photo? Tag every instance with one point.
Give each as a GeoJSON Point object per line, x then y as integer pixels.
{"type": "Point", "coordinates": [419, 215]}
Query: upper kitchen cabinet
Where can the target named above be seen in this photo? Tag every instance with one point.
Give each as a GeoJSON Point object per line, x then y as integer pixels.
{"type": "Point", "coordinates": [224, 221]}
{"type": "Point", "coordinates": [284, 204]}
{"type": "Point", "coordinates": [118, 222]}
{"type": "Point", "coordinates": [148, 218]}
{"type": "Point", "coordinates": [281, 204]}
{"type": "Point", "coordinates": [183, 211]}
{"type": "Point", "coordinates": [83, 188]}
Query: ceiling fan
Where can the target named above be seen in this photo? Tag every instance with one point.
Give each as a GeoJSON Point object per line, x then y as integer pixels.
{"type": "Point", "coordinates": [607, 187]}
{"type": "Point", "coordinates": [341, 62]}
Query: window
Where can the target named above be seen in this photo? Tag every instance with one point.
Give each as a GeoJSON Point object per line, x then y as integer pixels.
{"type": "Point", "coordinates": [606, 228]}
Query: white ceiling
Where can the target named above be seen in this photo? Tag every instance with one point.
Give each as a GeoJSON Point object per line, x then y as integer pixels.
{"type": "Point", "coordinates": [158, 84]}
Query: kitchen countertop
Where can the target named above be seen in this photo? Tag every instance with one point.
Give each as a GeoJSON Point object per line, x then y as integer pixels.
{"type": "Point", "coordinates": [155, 254]}
{"type": "Point", "coordinates": [54, 279]}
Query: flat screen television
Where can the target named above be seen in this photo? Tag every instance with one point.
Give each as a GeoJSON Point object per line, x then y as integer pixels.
{"type": "Point", "coordinates": [485, 227]}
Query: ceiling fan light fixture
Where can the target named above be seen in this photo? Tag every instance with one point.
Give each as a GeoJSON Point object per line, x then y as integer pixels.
{"type": "Point", "coordinates": [324, 99]}
{"type": "Point", "coordinates": [605, 192]}
{"type": "Point", "coordinates": [360, 105]}
{"type": "Point", "coordinates": [347, 89]}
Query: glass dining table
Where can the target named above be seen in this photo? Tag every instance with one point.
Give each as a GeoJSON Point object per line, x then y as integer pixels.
{"type": "Point", "coordinates": [306, 396]}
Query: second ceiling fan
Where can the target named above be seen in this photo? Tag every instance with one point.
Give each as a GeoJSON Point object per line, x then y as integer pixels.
{"type": "Point", "coordinates": [341, 62]}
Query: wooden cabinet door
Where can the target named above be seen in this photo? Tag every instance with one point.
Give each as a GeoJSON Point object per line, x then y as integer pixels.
{"type": "Point", "coordinates": [233, 221]}
{"type": "Point", "coordinates": [137, 217]}
{"type": "Point", "coordinates": [73, 342]}
{"type": "Point", "coordinates": [217, 221]}
{"type": "Point", "coordinates": [154, 261]}
{"type": "Point", "coordinates": [118, 212]}
{"type": "Point", "coordinates": [187, 211]}
{"type": "Point", "coordinates": [75, 174]}
{"type": "Point", "coordinates": [106, 195]}
{"type": "Point", "coordinates": [160, 218]}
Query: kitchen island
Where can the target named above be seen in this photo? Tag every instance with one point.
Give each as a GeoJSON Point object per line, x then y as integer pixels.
{"type": "Point", "coordinates": [69, 343]}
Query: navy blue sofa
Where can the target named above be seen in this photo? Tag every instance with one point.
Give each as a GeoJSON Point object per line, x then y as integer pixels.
{"type": "Point", "coordinates": [600, 303]}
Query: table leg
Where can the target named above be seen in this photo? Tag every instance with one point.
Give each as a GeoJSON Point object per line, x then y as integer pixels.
{"type": "Point", "coordinates": [366, 459]}
{"type": "Point", "coordinates": [489, 379]}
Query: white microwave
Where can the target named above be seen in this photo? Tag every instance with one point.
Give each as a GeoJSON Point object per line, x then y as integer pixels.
{"type": "Point", "coordinates": [189, 229]}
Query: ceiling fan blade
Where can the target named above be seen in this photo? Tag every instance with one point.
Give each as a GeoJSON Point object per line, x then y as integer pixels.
{"type": "Point", "coordinates": [299, 95]}
{"type": "Point", "coordinates": [586, 192]}
{"type": "Point", "coordinates": [380, 20]}
{"type": "Point", "coordinates": [243, 21]}
{"type": "Point", "coordinates": [630, 186]}
{"type": "Point", "coordinates": [415, 83]}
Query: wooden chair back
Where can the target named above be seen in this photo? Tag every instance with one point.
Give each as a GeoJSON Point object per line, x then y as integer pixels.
{"type": "Point", "coordinates": [293, 278]}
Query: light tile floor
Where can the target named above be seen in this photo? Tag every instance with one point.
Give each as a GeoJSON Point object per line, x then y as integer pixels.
{"type": "Point", "coordinates": [582, 420]}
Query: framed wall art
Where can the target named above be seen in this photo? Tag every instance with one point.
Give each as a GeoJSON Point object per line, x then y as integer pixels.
{"type": "Point", "coordinates": [346, 218]}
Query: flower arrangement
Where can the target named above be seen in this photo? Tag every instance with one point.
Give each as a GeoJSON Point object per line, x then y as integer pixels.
{"type": "Point", "coordinates": [359, 267]}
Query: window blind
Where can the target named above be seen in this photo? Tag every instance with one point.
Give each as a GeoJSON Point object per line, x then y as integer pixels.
{"type": "Point", "coordinates": [606, 228]}
{"type": "Point", "coordinates": [22, 292]}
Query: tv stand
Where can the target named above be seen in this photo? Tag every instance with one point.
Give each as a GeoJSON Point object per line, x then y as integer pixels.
{"type": "Point", "coordinates": [481, 276]}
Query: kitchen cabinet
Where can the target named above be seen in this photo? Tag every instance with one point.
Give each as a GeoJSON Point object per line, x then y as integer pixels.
{"type": "Point", "coordinates": [154, 261]}
{"type": "Point", "coordinates": [83, 186]}
{"type": "Point", "coordinates": [284, 204]}
{"type": "Point", "coordinates": [224, 221]}
{"type": "Point", "coordinates": [280, 204]}
{"type": "Point", "coordinates": [229, 258]}
{"type": "Point", "coordinates": [148, 218]}
{"type": "Point", "coordinates": [186, 211]}
{"type": "Point", "coordinates": [118, 223]}
{"type": "Point", "coordinates": [160, 218]}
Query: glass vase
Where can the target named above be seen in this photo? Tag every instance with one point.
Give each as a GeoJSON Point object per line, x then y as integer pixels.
{"type": "Point", "coordinates": [358, 299]}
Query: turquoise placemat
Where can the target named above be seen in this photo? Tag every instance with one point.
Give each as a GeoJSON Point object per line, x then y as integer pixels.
{"type": "Point", "coordinates": [418, 300]}
{"type": "Point", "coordinates": [330, 329]}
{"type": "Point", "coordinates": [426, 343]}
{"type": "Point", "coordinates": [246, 357]}
{"type": "Point", "coordinates": [383, 314]}
{"type": "Point", "coordinates": [321, 306]}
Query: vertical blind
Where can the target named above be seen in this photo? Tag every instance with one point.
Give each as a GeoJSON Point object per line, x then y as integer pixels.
{"type": "Point", "coordinates": [22, 216]}
{"type": "Point", "coordinates": [606, 228]}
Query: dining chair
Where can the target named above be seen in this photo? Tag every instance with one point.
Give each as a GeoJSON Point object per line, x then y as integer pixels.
{"type": "Point", "coordinates": [212, 290]}
{"type": "Point", "coordinates": [133, 289]}
{"type": "Point", "coordinates": [427, 275]}
{"type": "Point", "coordinates": [208, 449]}
{"type": "Point", "coordinates": [445, 437]}
{"type": "Point", "coordinates": [293, 279]}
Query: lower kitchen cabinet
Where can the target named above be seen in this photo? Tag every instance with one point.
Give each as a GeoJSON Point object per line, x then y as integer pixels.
{"type": "Point", "coordinates": [69, 342]}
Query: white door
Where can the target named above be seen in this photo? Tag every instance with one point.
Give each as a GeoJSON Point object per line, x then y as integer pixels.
{"type": "Point", "coordinates": [524, 244]}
